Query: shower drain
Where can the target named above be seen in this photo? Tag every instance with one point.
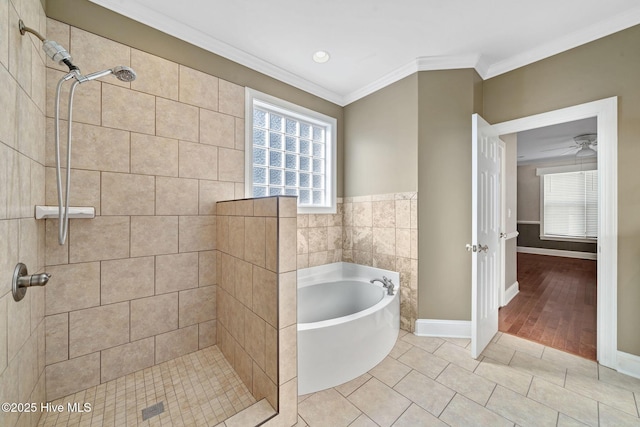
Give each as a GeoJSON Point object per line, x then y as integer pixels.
{"type": "Point", "coordinates": [152, 411]}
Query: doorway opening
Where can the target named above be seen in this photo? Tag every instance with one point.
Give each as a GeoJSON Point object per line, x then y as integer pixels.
{"type": "Point", "coordinates": [605, 112]}
{"type": "Point", "coordinates": [550, 259]}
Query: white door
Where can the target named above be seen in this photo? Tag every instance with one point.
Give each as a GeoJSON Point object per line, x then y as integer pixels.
{"type": "Point", "coordinates": [485, 243]}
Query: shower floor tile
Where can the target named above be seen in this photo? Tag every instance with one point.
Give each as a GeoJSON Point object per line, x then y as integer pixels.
{"type": "Point", "coordinates": [198, 389]}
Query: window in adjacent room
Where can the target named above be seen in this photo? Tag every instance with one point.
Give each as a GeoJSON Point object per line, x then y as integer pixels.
{"type": "Point", "coordinates": [290, 150]}
{"type": "Point", "coordinates": [569, 204]}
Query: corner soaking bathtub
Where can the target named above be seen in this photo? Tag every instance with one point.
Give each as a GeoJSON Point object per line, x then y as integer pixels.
{"type": "Point", "coordinates": [346, 325]}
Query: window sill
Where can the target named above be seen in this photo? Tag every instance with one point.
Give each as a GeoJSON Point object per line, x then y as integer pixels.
{"type": "Point", "coordinates": [569, 239]}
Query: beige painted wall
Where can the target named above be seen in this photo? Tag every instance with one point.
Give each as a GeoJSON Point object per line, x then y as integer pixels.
{"type": "Point", "coordinates": [382, 130]}
{"type": "Point", "coordinates": [447, 99]}
{"type": "Point", "coordinates": [604, 68]}
{"type": "Point", "coordinates": [98, 20]}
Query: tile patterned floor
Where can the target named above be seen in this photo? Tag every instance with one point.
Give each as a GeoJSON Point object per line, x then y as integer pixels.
{"type": "Point", "coordinates": [434, 382]}
{"type": "Point", "coordinates": [198, 389]}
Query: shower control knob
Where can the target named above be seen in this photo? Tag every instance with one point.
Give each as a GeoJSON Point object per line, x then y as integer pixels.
{"type": "Point", "coordinates": [22, 280]}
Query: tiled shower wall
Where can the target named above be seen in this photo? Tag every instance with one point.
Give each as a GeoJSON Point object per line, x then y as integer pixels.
{"type": "Point", "coordinates": [136, 286]}
{"type": "Point", "coordinates": [22, 152]}
{"type": "Point", "coordinates": [257, 325]}
{"type": "Point", "coordinates": [379, 231]}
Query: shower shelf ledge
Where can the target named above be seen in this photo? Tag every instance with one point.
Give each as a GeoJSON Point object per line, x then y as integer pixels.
{"type": "Point", "coordinates": [46, 212]}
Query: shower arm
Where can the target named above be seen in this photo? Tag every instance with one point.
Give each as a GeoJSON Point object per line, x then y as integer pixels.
{"type": "Point", "coordinates": [24, 29]}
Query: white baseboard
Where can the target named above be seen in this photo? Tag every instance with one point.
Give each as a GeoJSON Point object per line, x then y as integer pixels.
{"type": "Point", "coordinates": [556, 252]}
{"type": "Point", "coordinates": [629, 364]}
{"type": "Point", "coordinates": [511, 292]}
{"type": "Point", "coordinates": [443, 328]}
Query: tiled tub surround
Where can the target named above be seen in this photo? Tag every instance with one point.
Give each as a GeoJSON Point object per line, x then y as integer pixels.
{"type": "Point", "coordinates": [256, 304]}
{"type": "Point", "coordinates": [22, 170]}
{"type": "Point", "coordinates": [379, 231]}
{"type": "Point", "coordinates": [136, 286]}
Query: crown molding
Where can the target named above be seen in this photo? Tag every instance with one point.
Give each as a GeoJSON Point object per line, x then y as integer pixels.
{"type": "Point", "coordinates": [480, 63]}
{"type": "Point", "coordinates": [588, 34]}
{"type": "Point", "coordinates": [182, 31]}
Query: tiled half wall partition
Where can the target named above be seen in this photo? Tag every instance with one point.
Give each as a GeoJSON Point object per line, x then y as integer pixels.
{"type": "Point", "coordinates": [379, 231]}
{"type": "Point", "coordinates": [257, 297]}
{"type": "Point", "coordinates": [136, 286]}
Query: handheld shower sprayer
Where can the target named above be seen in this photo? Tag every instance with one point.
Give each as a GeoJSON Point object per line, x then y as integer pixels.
{"type": "Point", "coordinates": [59, 54]}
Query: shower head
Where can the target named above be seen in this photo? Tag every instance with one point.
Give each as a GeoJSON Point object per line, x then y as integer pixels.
{"type": "Point", "coordinates": [124, 74]}
{"type": "Point", "coordinates": [121, 72]}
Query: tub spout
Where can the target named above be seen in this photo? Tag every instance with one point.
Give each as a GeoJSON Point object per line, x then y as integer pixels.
{"type": "Point", "coordinates": [387, 283]}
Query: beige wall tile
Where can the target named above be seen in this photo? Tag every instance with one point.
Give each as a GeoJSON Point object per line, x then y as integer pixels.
{"type": "Point", "coordinates": [403, 242]}
{"type": "Point", "coordinates": [197, 233]}
{"type": "Point", "coordinates": [263, 387]}
{"type": "Point", "coordinates": [318, 237]}
{"type": "Point", "coordinates": [222, 233]}
{"type": "Point", "coordinates": [156, 75]}
{"type": "Point", "coordinates": [230, 165]}
{"type": "Point", "coordinates": [72, 287]}
{"type": "Point", "coordinates": [154, 155]}
{"type": "Point", "coordinates": [126, 279]}
{"type": "Point", "coordinates": [9, 382]}
{"type": "Point", "coordinates": [231, 99]}
{"type": "Point", "coordinates": [176, 272]}
{"type": "Point", "coordinates": [265, 294]}
{"type": "Point", "coordinates": [243, 282]}
{"type": "Point", "coordinates": [239, 134]}
{"type": "Point", "coordinates": [154, 235]}
{"type": "Point", "coordinates": [83, 235]}
{"type": "Point", "coordinates": [266, 206]}
{"type": "Point", "coordinates": [54, 252]}
{"type": "Point", "coordinates": [212, 192]}
{"type": "Point", "coordinates": [154, 315]}
{"type": "Point", "coordinates": [127, 194]}
{"type": "Point", "coordinates": [85, 187]}
{"type": "Point", "coordinates": [176, 343]}
{"type": "Point", "coordinates": [19, 55]}
{"type": "Point", "coordinates": [383, 213]}
{"type": "Point", "coordinates": [271, 244]}
{"type": "Point", "coordinates": [271, 352]}
{"type": "Point", "coordinates": [288, 356]}
{"type": "Point", "coordinates": [207, 334]}
{"type": "Point", "coordinates": [198, 88]}
{"type": "Point", "coordinates": [94, 148]}
{"type": "Point", "coordinates": [87, 106]}
{"type": "Point", "coordinates": [254, 241]}
{"type": "Point", "coordinates": [176, 120]}
{"type": "Point", "coordinates": [97, 328]}
{"type": "Point", "coordinates": [217, 129]}
{"type": "Point", "coordinates": [198, 161]}
{"type": "Point", "coordinates": [18, 325]}
{"type": "Point", "coordinates": [207, 268]}
{"type": "Point", "coordinates": [235, 319]}
{"type": "Point", "coordinates": [3, 332]}
{"type": "Point", "coordinates": [176, 196]}
{"type": "Point", "coordinates": [129, 110]}
{"type": "Point", "coordinates": [197, 306]}
{"type": "Point", "coordinates": [98, 53]}
{"type": "Point", "coordinates": [288, 298]}
{"type": "Point", "coordinates": [236, 236]}
{"type": "Point", "coordinates": [4, 34]}
{"type": "Point", "coordinates": [403, 213]}
{"type": "Point", "coordinates": [362, 214]}
{"type": "Point", "coordinates": [243, 365]}
{"type": "Point", "coordinates": [119, 361]}
{"type": "Point", "coordinates": [8, 87]}
{"type": "Point", "coordinates": [57, 338]}
{"type": "Point", "coordinates": [255, 336]}
{"type": "Point", "coordinates": [86, 371]}
{"type": "Point", "coordinates": [287, 234]}
{"type": "Point", "coordinates": [318, 220]}
{"type": "Point", "coordinates": [225, 276]}
{"type": "Point", "coordinates": [244, 207]}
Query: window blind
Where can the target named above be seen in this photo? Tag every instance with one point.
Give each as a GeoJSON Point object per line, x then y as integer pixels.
{"type": "Point", "coordinates": [570, 203]}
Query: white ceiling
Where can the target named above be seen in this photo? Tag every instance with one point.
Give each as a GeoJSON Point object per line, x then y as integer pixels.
{"type": "Point", "coordinates": [553, 143]}
{"type": "Point", "coordinates": [373, 43]}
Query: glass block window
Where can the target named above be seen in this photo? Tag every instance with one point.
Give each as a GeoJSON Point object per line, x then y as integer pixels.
{"type": "Point", "coordinates": [290, 151]}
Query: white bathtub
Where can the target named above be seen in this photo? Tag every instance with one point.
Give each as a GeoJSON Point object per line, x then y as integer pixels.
{"type": "Point", "coordinates": [346, 325]}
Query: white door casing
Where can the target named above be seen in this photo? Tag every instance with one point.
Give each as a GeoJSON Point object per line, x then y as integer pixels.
{"type": "Point", "coordinates": [486, 221]}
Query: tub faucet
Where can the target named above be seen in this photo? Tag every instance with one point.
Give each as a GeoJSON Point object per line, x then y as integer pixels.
{"type": "Point", "coordinates": [387, 283]}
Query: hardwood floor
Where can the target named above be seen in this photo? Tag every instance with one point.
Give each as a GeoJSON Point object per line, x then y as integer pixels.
{"type": "Point", "coordinates": [556, 305]}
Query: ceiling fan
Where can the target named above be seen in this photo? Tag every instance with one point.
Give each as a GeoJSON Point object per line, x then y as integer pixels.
{"type": "Point", "coordinates": [583, 146]}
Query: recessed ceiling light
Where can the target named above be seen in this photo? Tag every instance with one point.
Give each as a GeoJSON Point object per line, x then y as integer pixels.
{"type": "Point", "coordinates": [321, 56]}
